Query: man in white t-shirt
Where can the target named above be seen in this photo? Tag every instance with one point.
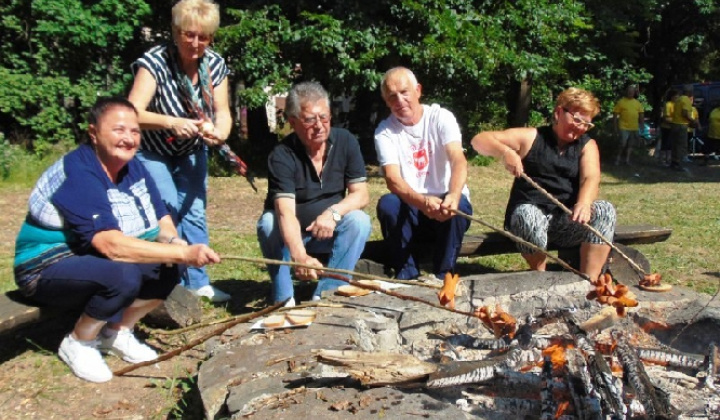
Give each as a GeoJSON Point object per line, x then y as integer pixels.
{"type": "Point", "coordinates": [420, 151]}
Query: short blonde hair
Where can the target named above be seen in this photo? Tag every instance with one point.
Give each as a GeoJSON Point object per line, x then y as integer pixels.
{"type": "Point", "coordinates": [578, 99]}
{"type": "Point", "coordinates": [204, 13]}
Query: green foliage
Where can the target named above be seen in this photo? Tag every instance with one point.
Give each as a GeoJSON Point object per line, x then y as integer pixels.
{"type": "Point", "coordinates": [470, 55]}
{"type": "Point", "coordinates": [480, 160]}
{"type": "Point", "coordinates": [46, 106]}
{"type": "Point", "coordinates": [56, 56]}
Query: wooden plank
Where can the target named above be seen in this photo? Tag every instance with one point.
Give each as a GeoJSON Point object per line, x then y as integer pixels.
{"type": "Point", "coordinates": [494, 243]}
{"type": "Point", "coordinates": [15, 313]}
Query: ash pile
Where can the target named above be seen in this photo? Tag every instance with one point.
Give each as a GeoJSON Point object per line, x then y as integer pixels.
{"type": "Point", "coordinates": [565, 357]}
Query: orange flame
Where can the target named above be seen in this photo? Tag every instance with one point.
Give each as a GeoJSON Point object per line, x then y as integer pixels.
{"type": "Point", "coordinates": [562, 408]}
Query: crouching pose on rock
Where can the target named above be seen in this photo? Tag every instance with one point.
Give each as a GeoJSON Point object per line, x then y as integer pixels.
{"type": "Point", "coordinates": [317, 188]}
{"type": "Point", "coordinates": [565, 161]}
{"type": "Point", "coordinates": [99, 237]}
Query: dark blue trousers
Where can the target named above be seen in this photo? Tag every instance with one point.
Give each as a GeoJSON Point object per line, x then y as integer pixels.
{"type": "Point", "coordinates": [403, 225]}
{"type": "Point", "coordinates": [103, 287]}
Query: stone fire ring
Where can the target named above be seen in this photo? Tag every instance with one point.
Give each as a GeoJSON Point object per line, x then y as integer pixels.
{"type": "Point", "coordinates": [273, 375]}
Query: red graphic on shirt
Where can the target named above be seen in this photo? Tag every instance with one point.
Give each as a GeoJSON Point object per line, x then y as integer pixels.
{"type": "Point", "coordinates": [420, 159]}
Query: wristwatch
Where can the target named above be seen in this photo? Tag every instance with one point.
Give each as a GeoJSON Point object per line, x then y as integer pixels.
{"type": "Point", "coordinates": [335, 215]}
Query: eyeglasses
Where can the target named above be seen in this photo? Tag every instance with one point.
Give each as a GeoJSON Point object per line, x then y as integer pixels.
{"type": "Point", "coordinates": [579, 122]}
{"type": "Point", "coordinates": [189, 36]}
{"type": "Point", "coordinates": [311, 121]}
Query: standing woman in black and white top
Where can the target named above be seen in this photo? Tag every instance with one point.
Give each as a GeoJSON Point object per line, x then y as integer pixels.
{"type": "Point", "coordinates": [181, 93]}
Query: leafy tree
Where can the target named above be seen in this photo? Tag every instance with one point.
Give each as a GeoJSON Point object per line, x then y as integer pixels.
{"type": "Point", "coordinates": [56, 55]}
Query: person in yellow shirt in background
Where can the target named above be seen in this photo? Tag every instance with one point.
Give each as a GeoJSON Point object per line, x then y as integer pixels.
{"type": "Point", "coordinates": [667, 112]}
{"type": "Point", "coordinates": [691, 134]}
{"type": "Point", "coordinates": [682, 119]}
{"type": "Point", "coordinates": [628, 116]}
{"type": "Point", "coordinates": [712, 142]}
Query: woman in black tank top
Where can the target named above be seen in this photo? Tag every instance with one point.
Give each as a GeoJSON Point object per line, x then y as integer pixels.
{"type": "Point", "coordinates": [565, 161]}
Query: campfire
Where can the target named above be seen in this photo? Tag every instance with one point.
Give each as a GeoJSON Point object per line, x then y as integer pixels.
{"type": "Point", "coordinates": [552, 366]}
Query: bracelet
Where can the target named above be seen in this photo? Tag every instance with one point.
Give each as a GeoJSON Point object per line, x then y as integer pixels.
{"type": "Point", "coordinates": [172, 238]}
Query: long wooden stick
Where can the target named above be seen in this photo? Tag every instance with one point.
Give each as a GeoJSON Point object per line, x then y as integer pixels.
{"type": "Point", "coordinates": [564, 208]}
{"type": "Point", "coordinates": [522, 241]}
{"type": "Point", "coordinates": [330, 270]}
{"type": "Point", "coordinates": [335, 276]}
{"type": "Point", "coordinates": [198, 341]}
{"type": "Point", "coordinates": [160, 331]}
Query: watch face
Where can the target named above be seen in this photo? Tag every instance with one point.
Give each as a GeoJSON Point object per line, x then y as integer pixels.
{"type": "Point", "coordinates": [336, 216]}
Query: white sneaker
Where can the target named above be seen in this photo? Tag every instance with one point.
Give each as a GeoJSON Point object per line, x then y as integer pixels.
{"type": "Point", "coordinates": [210, 292]}
{"type": "Point", "coordinates": [290, 303]}
{"type": "Point", "coordinates": [124, 344]}
{"type": "Point", "coordinates": [84, 359]}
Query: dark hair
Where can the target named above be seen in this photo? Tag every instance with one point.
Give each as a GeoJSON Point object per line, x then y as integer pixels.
{"type": "Point", "coordinates": [104, 104]}
{"type": "Point", "coordinates": [671, 93]}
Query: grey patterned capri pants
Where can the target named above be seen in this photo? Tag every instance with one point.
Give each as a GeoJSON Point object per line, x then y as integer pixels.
{"type": "Point", "coordinates": [530, 223]}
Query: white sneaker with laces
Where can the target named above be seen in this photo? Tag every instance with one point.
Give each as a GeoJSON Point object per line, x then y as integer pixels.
{"type": "Point", "coordinates": [210, 292]}
{"type": "Point", "coordinates": [124, 344]}
{"type": "Point", "coordinates": [84, 359]}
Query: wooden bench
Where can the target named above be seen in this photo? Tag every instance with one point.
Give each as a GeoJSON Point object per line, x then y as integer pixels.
{"type": "Point", "coordinates": [15, 312]}
{"type": "Point", "coordinates": [494, 243]}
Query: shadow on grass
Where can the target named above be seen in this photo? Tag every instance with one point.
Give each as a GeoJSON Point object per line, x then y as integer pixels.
{"type": "Point", "coordinates": [44, 336]}
{"type": "Point", "coordinates": [646, 170]}
{"type": "Point", "coordinates": [250, 295]}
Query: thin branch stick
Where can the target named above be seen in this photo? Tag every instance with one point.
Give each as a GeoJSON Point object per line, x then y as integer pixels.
{"type": "Point", "coordinates": [327, 270]}
{"type": "Point", "coordinates": [522, 241]}
{"type": "Point", "coordinates": [198, 341]}
{"type": "Point", "coordinates": [353, 282]}
{"type": "Point", "coordinates": [397, 295]}
{"type": "Point", "coordinates": [158, 331]}
{"type": "Point", "coordinates": [564, 208]}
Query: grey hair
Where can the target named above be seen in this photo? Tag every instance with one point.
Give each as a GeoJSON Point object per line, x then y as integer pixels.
{"type": "Point", "coordinates": [388, 74]}
{"type": "Point", "coordinates": [302, 93]}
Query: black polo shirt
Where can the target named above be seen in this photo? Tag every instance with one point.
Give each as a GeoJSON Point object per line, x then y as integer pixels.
{"type": "Point", "coordinates": [291, 174]}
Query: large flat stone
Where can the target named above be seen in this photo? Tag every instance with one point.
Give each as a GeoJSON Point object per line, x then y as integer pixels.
{"type": "Point", "coordinates": [274, 375]}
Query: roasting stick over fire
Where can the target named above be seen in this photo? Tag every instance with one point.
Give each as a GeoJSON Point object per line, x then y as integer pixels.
{"type": "Point", "coordinates": [648, 281]}
{"type": "Point", "coordinates": [602, 287]}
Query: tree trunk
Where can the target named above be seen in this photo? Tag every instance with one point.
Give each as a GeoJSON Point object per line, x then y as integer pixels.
{"type": "Point", "coordinates": [519, 97]}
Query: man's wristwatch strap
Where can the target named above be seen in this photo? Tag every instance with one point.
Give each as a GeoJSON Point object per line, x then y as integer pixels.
{"type": "Point", "coordinates": [335, 215]}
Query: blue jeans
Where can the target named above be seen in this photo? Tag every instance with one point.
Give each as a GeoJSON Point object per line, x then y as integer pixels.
{"type": "Point", "coordinates": [403, 224]}
{"type": "Point", "coordinates": [182, 181]}
{"type": "Point", "coordinates": [344, 248]}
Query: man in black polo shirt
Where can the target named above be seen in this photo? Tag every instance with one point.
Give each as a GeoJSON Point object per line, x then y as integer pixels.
{"type": "Point", "coordinates": [317, 188]}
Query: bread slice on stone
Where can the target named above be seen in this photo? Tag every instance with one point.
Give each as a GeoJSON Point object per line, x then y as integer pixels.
{"type": "Point", "coordinates": [656, 287]}
{"type": "Point", "coordinates": [274, 321]}
{"type": "Point", "coordinates": [300, 316]}
{"type": "Point", "coordinates": [349, 290]}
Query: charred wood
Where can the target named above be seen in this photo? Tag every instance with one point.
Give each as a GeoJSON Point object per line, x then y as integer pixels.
{"type": "Point", "coordinates": [712, 362]}
{"type": "Point", "coordinates": [548, 405]}
{"type": "Point", "coordinates": [470, 342]}
{"type": "Point", "coordinates": [656, 404]}
{"type": "Point", "coordinates": [461, 373]}
{"type": "Point", "coordinates": [608, 387]}
{"type": "Point", "coordinates": [669, 358]}
{"type": "Point", "coordinates": [585, 398]}
{"type": "Point", "coordinates": [513, 407]}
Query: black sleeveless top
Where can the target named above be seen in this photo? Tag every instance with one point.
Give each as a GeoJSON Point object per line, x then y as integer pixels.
{"type": "Point", "coordinates": [558, 173]}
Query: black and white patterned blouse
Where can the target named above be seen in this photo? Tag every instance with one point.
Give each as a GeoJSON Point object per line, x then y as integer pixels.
{"type": "Point", "coordinates": [167, 100]}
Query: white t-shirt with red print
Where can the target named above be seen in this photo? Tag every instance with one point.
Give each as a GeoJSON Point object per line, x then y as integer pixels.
{"type": "Point", "coordinates": [419, 150]}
